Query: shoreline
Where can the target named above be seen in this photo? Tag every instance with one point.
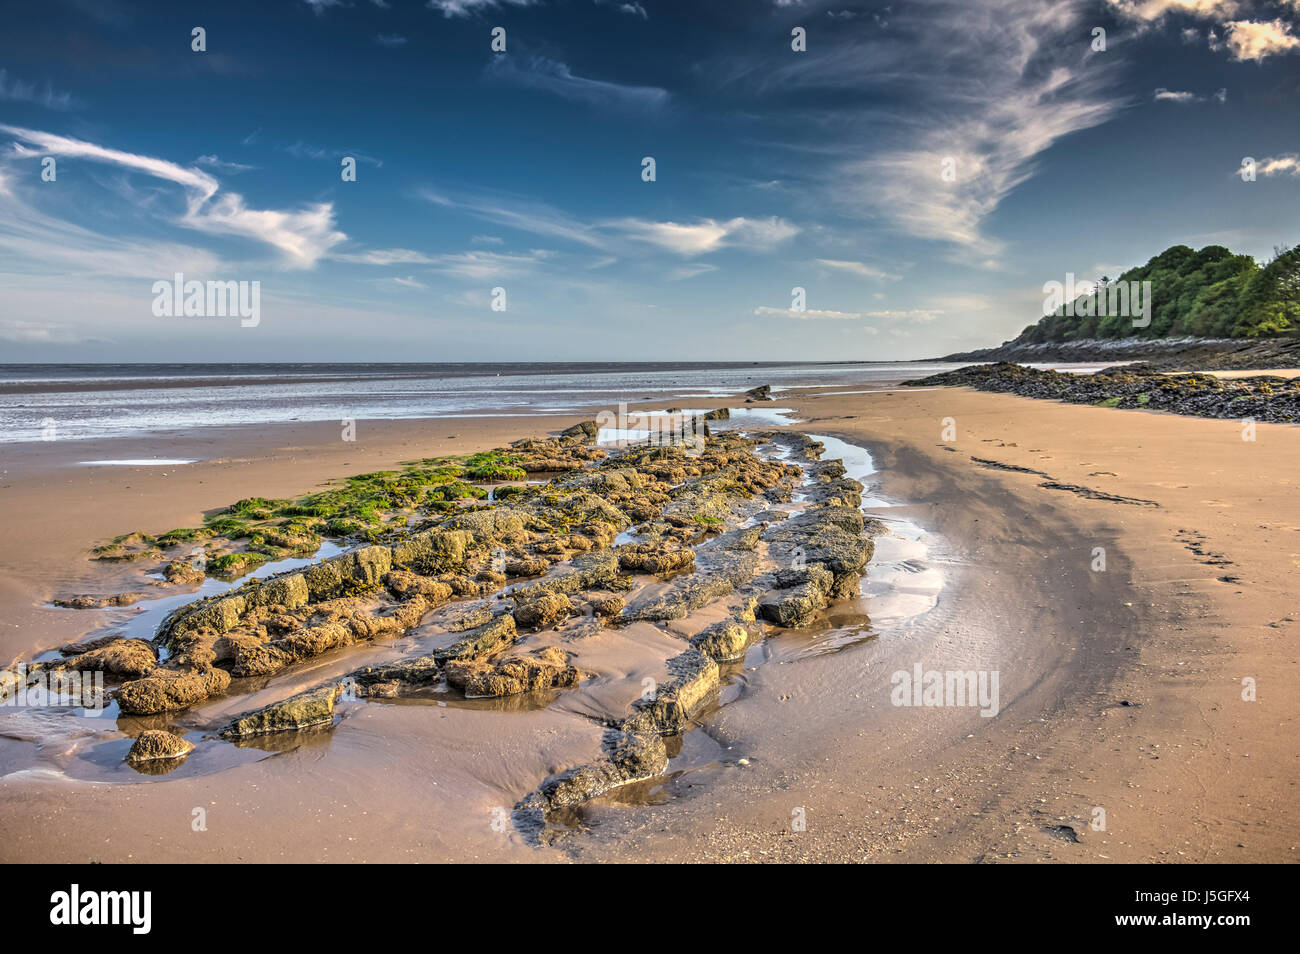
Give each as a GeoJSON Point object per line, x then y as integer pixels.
{"type": "Point", "coordinates": [981, 515]}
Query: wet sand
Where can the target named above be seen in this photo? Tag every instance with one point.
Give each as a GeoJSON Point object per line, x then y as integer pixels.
{"type": "Point", "coordinates": [1190, 772]}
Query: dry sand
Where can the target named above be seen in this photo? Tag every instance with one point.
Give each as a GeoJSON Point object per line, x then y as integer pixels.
{"type": "Point", "coordinates": [1189, 772]}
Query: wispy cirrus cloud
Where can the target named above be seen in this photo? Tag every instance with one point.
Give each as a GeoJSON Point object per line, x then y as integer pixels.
{"type": "Point", "coordinates": [17, 90]}
{"type": "Point", "coordinates": [687, 239]}
{"type": "Point", "coordinates": [706, 235]}
{"type": "Point", "coordinates": [1153, 11]}
{"type": "Point", "coordinates": [861, 269]}
{"type": "Point", "coordinates": [301, 236]}
{"type": "Point", "coordinates": [472, 265]}
{"type": "Point", "coordinates": [466, 8]}
{"type": "Point", "coordinates": [552, 76]}
{"type": "Point", "coordinates": [997, 84]}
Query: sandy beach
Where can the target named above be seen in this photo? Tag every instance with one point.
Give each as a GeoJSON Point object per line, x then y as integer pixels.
{"type": "Point", "coordinates": [1121, 689]}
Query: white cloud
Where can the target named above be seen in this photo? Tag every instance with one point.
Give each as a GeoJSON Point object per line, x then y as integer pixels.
{"type": "Point", "coordinates": [217, 164]}
{"type": "Point", "coordinates": [390, 40]}
{"type": "Point", "coordinates": [27, 92]}
{"type": "Point", "coordinates": [1175, 96]}
{"type": "Point", "coordinates": [1278, 166]}
{"type": "Point", "coordinates": [319, 6]}
{"type": "Point", "coordinates": [552, 76]}
{"type": "Point", "coordinates": [861, 269]}
{"type": "Point", "coordinates": [1250, 40]}
{"type": "Point", "coordinates": [302, 236]}
{"type": "Point", "coordinates": [808, 314]}
{"type": "Point", "coordinates": [707, 235]}
{"type": "Point", "coordinates": [465, 8]}
{"type": "Point", "coordinates": [635, 9]}
{"type": "Point", "coordinates": [682, 238]}
{"type": "Point", "coordinates": [1151, 11]}
{"type": "Point", "coordinates": [526, 216]}
{"type": "Point", "coordinates": [1031, 92]}
{"type": "Point", "coordinates": [410, 282]}
{"type": "Point", "coordinates": [474, 264]}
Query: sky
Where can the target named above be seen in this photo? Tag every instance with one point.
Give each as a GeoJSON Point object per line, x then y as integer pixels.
{"type": "Point", "coordinates": [919, 170]}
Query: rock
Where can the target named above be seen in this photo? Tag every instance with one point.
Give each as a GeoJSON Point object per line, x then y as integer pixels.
{"type": "Point", "coordinates": [481, 641]}
{"type": "Point", "coordinates": [630, 757]}
{"type": "Point", "coordinates": [723, 642]}
{"type": "Point", "coordinates": [718, 414]}
{"type": "Point", "coordinates": [302, 711]}
{"type": "Point", "coordinates": [157, 744]}
{"type": "Point", "coordinates": [545, 609]}
{"type": "Point", "coordinates": [761, 393]}
{"type": "Point", "coordinates": [535, 566]}
{"type": "Point", "coordinates": [691, 687]}
{"type": "Point", "coordinates": [654, 558]}
{"type": "Point", "coordinates": [124, 658]}
{"type": "Point", "coordinates": [183, 573]}
{"type": "Point", "coordinates": [396, 678]}
{"type": "Point", "coordinates": [803, 592]}
{"type": "Point", "coordinates": [405, 584]}
{"type": "Point", "coordinates": [100, 602]}
{"type": "Point", "coordinates": [543, 669]}
{"type": "Point", "coordinates": [166, 690]}
{"type": "Point", "coordinates": [586, 431]}
{"type": "Point", "coordinates": [609, 605]}
{"type": "Point", "coordinates": [587, 572]}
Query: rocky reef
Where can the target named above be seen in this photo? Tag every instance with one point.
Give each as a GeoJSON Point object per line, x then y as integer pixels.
{"type": "Point", "coordinates": [1260, 398]}
{"type": "Point", "coordinates": [648, 534]}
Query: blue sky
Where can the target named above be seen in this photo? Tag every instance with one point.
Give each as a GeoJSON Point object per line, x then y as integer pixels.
{"type": "Point", "coordinates": [522, 170]}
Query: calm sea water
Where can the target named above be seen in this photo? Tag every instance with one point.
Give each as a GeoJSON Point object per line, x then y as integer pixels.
{"type": "Point", "coordinates": [91, 401]}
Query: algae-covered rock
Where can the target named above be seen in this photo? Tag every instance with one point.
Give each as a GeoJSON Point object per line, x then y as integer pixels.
{"type": "Point", "coordinates": [302, 711]}
{"type": "Point", "coordinates": [166, 690]}
{"type": "Point", "coordinates": [183, 573]}
{"type": "Point", "coordinates": [158, 745]}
